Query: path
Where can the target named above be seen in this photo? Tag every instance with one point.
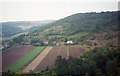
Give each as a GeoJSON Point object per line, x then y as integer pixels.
{"type": "Point", "coordinates": [37, 60]}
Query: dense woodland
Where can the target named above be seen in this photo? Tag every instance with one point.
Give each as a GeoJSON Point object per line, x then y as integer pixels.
{"type": "Point", "coordinates": [86, 22]}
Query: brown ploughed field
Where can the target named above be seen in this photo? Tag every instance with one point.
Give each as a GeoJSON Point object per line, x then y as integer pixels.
{"type": "Point", "coordinates": [50, 58]}
{"type": "Point", "coordinates": [76, 51]}
{"type": "Point", "coordinates": [14, 54]}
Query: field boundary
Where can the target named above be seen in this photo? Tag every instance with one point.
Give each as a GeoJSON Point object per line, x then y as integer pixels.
{"type": "Point", "coordinates": [31, 60]}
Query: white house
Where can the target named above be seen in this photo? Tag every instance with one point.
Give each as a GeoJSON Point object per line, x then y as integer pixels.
{"type": "Point", "coordinates": [46, 42]}
{"type": "Point", "coordinates": [69, 42]}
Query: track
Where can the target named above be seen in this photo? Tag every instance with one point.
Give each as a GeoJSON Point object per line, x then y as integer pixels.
{"type": "Point", "coordinates": [37, 60]}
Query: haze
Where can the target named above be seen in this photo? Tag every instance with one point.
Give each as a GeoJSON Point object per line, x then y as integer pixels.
{"type": "Point", "coordinates": [51, 10]}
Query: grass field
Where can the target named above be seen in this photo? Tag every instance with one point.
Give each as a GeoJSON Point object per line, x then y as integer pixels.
{"type": "Point", "coordinates": [78, 35]}
{"type": "Point", "coordinates": [24, 60]}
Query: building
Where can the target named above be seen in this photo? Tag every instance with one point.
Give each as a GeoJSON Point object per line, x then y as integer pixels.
{"type": "Point", "coordinates": [46, 42]}
{"type": "Point", "coordinates": [69, 42]}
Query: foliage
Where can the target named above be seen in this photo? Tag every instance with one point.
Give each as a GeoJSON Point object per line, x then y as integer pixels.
{"type": "Point", "coordinates": [86, 22]}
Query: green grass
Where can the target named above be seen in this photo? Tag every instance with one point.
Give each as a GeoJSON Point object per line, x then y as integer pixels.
{"type": "Point", "coordinates": [24, 60]}
{"type": "Point", "coordinates": [78, 35]}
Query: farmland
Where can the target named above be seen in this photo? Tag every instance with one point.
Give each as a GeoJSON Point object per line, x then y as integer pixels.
{"type": "Point", "coordinates": [76, 51]}
{"type": "Point", "coordinates": [37, 60]}
{"type": "Point", "coordinates": [27, 57]}
{"type": "Point", "coordinates": [14, 54]}
{"type": "Point", "coordinates": [50, 58]}
{"type": "Point", "coordinates": [17, 65]}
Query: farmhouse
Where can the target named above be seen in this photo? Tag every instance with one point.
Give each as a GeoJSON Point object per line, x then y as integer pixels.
{"type": "Point", "coordinates": [46, 42]}
{"type": "Point", "coordinates": [69, 42]}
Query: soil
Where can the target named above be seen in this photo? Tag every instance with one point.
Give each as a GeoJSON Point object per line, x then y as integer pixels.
{"type": "Point", "coordinates": [51, 57]}
{"type": "Point", "coordinates": [76, 51]}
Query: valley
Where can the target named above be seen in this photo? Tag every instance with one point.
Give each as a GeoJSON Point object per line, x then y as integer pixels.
{"type": "Point", "coordinates": [83, 43]}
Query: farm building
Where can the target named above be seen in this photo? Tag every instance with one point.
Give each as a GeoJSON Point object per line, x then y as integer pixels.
{"type": "Point", "coordinates": [46, 42]}
{"type": "Point", "coordinates": [69, 42]}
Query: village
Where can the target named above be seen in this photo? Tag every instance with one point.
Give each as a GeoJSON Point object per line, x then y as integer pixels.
{"type": "Point", "coordinates": [34, 42]}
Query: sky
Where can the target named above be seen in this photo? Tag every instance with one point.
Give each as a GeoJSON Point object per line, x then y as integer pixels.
{"type": "Point", "coordinates": [38, 10]}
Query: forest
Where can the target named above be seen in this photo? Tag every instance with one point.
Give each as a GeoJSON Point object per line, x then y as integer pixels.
{"type": "Point", "coordinates": [86, 22]}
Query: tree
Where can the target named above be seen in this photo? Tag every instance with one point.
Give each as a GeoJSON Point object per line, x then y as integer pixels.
{"type": "Point", "coordinates": [111, 67]}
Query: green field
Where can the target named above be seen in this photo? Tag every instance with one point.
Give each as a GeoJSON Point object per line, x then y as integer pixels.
{"type": "Point", "coordinates": [24, 60]}
{"type": "Point", "coordinates": [78, 35]}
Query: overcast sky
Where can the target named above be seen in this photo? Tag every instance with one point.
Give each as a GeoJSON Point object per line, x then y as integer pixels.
{"type": "Point", "coordinates": [36, 10]}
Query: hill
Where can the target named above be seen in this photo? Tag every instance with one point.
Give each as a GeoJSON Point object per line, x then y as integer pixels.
{"type": "Point", "coordinates": [84, 29]}
{"type": "Point", "coordinates": [93, 29]}
{"type": "Point", "coordinates": [85, 22]}
{"type": "Point", "coordinates": [13, 28]}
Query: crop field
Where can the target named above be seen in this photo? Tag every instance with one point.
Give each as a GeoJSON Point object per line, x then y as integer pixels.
{"type": "Point", "coordinates": [27, 57]}
{"type": "Point", "coordinates": [37, 60]}
{"type": "Point", "coordinates": [50, 58]}
{"type": "Point", "coordinates": [20, 63]}
{"type": "Point", "coordinates": [14, 54]}
{"type": "Point", "coordinates": [76, 51]}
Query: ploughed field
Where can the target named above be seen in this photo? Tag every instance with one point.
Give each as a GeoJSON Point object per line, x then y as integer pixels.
{"type": "Point", "coordinates": [51, 55]}
{"type": "Point", "coordinates": [50, 58]}
{"type": "Point", "coordinates": [76, 51]}
{"type": "Point", "coordinates": [40, 60]}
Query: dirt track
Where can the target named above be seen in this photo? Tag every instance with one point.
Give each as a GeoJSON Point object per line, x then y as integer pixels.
{"type": "Point", "coordinates": [14, 54]}
{"type": "Point", "coordinates": [37, 60]}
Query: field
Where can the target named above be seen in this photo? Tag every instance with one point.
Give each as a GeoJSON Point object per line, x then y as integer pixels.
{"type": "Point", "coordinates": [27, 57]}
{"type": "Point", "coordinates": [50, 58]}
{"type": "Point", "coordinates": [37, 60]}
{"type": "Point", "coordinates": [78, 35]}
{"type": "Point", "coordinates": [24, 60]}
{"type": "Point", "coordinates": [14, 54]}
{"type": "Point", "coordinates": [76, 51]}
